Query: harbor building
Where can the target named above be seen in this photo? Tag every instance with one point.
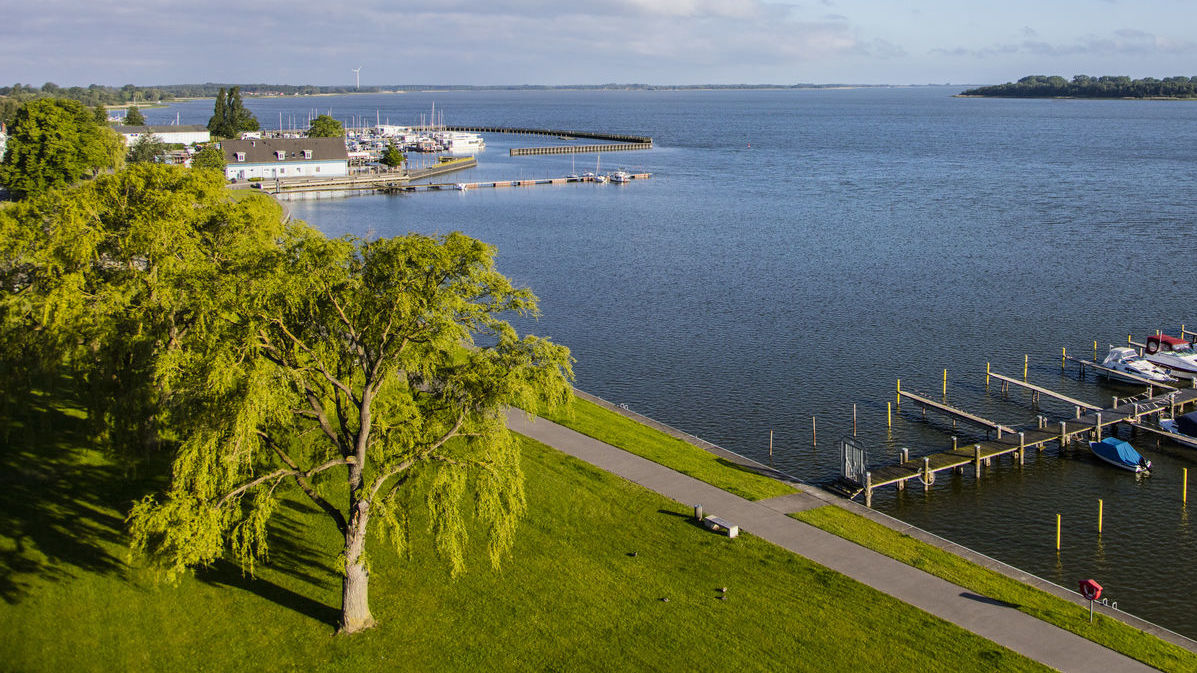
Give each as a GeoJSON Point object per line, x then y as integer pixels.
{"type": "Point", "coordinates": [183, 135]}
{"type": "Point", "coordinates": [269, 158]}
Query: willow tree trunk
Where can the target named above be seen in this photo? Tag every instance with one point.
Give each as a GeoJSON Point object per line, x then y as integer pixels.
{"type": "Point", "coordinates": [355, 594]}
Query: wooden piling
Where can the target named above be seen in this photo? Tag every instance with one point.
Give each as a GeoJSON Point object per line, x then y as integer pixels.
{"type": "Point", "coordinates": [1022, 448]}
{"type": "Point", "coordinates": [928, 477]}
{"type": "Point", "coordinates": [868, 489]}
{"type": "Point", "coordinates": [1184, 488]}
{"type": "Point", "coordinates": [770, 447]}
{"type": "Point", "coordinates": [814, 432]}
{"type": "Point", "coordinates": [1097, 427]}
{"type": "Point", "coordinates": [977, 459]}
{"type": "Point", "coordinates": [1063, 437]}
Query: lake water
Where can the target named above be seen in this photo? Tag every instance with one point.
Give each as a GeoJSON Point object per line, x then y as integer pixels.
{"type": "Point", "coordinates": [796, 252]}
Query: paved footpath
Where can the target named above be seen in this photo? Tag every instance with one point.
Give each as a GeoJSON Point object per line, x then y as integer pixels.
{"type": "Point", "coordinates": [766, 519]}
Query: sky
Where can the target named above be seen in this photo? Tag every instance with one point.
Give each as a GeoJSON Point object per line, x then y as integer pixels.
{"type": "Point", "coordinates": [511, 42]}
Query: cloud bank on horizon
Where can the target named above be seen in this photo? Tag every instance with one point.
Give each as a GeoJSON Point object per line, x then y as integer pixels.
{"type": "Point", "coordinates": [76, 42]}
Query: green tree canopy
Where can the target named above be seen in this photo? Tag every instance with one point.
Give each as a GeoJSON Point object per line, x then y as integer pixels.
{"type": "Point", "coordinates": [54, 143]}
{"type": "Point", "coordinates": [133, 117]}
{"type": "Point", "coordinates": [209, 157]}
{"type": "Point", "coordinates": [392, 157]}
{"type": "Point", "coordinates": [380, 366]}
{"type": "Point", "coordinates": [104, 279]}
{"type": "Point", "coordinates": [230, 118]}
{"type": "Point", "coordinates": [325, 126]}
{"type": "Point", "coordinates": [147, 148]}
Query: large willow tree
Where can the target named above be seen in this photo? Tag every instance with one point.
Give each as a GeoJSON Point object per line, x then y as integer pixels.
{"type": "Point", "coordinates": [273, 362]}
{"type": "Point", "coordinates": [340, 370]}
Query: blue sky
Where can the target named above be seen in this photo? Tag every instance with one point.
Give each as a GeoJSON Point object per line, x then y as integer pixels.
{"type": "Point", "coordinates": [72, 42]}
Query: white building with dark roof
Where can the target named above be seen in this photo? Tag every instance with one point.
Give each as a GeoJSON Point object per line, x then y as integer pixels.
{"type": "Point", "coordinates": [285, 158]}
{"type": "Point", "coordinates": [184, 135]}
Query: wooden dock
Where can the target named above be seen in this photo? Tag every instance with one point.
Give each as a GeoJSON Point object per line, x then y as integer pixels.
{"type": "Point", "coordinates": [465, 186]}
{"type": "Point", "coordinates": [1017, 441]}
{"type": "Point", "coordinates": [1037, 391]}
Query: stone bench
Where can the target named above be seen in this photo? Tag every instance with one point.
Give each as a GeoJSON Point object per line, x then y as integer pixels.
{"type": "Point", "coordinates": [716, 524]}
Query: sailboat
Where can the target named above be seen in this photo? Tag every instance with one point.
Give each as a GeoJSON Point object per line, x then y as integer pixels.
{"type": "Point", "coordinates": [573, 175]}
{"type": "Point", "coordinates": [599, 177]}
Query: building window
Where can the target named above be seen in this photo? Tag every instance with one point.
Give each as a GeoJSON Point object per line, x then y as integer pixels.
{"type": "Point", "coordinates": [240, 156]}
{"type": "Point", "coordinates": [317, 169]}
{"type": "Point", "coordinates": [307, 154]}
{"type": "Point", "coordinates": [281, 155]}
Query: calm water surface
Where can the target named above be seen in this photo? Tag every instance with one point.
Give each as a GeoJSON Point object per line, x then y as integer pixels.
{"type": "Point", "coordinates": [796, 252]}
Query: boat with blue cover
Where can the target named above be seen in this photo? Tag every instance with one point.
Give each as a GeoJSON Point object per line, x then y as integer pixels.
{"type": "Point", "coordinates": [1182, 429]}
{"type": "Point", "coordinates": [1120, 454]}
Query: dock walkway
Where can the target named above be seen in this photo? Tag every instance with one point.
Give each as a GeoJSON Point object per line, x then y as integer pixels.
{"type": "Point", "coordinates": [1016, 442]}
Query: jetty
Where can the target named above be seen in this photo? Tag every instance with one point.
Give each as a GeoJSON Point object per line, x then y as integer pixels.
{"type": "Point", "coordinates": [1091, 421]}
{"type": "Point", "coordinates": [616, 142]}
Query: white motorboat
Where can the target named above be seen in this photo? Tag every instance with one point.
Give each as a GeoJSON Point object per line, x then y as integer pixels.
{"type": "Point", "coordinates": [1127, 365]}
{"type": "Point", "coordinates": [621, 177]}
{"type": "Point", "coordinates": [1172, 353]}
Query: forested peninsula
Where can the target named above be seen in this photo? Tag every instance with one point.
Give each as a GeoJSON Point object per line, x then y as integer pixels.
{"type": "Point", "coordinates": [1084, 86]}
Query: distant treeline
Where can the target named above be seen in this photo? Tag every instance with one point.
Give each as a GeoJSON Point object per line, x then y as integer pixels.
{"type": "Point", "coordinates": [95, 95]}
{"type": "Point", "coordinates": [1084, 86]}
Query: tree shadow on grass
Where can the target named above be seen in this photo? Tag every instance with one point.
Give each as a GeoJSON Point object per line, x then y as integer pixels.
{"type": "Point", "coordinates": [62, 506]}
{"type": "Point", "coordinates": [59, 500]}
{"type": "Point", "coordinates": [225, 573]}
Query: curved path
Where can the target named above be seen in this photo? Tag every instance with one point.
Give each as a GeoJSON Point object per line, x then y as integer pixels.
{"type": "Point", "coordinates": [767, 519]}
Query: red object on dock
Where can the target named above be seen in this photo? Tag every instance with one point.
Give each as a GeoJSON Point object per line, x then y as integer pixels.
{"type": "Point", "coordinates": [1090, 589]}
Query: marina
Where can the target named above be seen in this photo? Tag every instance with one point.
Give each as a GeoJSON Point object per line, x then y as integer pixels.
{"type": "Point", "coordinates": [1090, 421]}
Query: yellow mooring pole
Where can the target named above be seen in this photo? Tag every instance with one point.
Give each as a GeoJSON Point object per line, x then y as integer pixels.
{"type": "Point", "coordinates": [1057, 532]}
{"type": "Point", "coordinates": [1099, 513]}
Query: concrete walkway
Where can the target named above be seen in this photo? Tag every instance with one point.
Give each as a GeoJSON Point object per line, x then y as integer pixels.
{"type": "Point", "coordinates": [991, 619]}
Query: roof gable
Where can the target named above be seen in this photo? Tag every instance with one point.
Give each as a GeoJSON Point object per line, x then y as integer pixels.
{"type": "Point", "coordinates": [292, 150]}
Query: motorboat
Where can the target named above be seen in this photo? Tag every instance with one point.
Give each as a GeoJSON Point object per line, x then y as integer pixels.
{"type": "Point", "coordinates": [621, 177]}
{"type": "Point", "coordinates": [1120, 454]}
{"type": "Point", "coordinates": [1171, 353]}
{"type": "Point", "coordinates": [1124, 364]}
{"type": "Point", "coordinates": [1183, 429]}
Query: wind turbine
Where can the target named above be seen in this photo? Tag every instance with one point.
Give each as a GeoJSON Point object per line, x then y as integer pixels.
{"type": "Point", "coordinates": [357, 78]}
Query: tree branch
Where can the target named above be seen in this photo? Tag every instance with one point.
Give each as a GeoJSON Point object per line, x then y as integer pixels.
{"type": "Point", "coordinates": [301, 478]}
{"type": "Point", "coordinates": [381, 479]}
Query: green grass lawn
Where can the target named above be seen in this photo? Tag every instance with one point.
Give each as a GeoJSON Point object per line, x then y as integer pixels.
{"type": "Point", "coordinates": [573, 597]}
{"type": "Point", "coordinates": [617, 430]}
{"type": "Point", "coordinates": [1109, 632]}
